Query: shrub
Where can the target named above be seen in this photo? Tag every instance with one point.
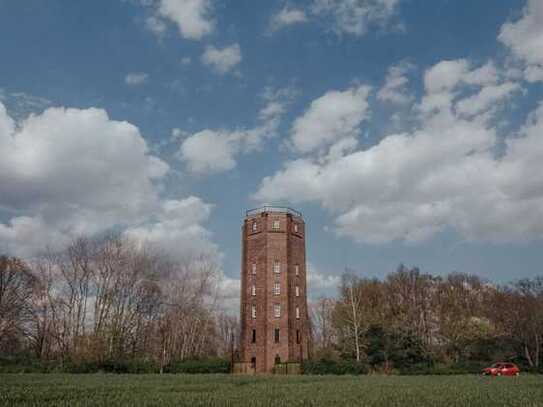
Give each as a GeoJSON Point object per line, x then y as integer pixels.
{"type": "Point", "coordinates": [332, 367]}
{"type": "Point", "coordinates": [454, 369]}
{"type": "Point", "coordinates": [138, 366]}
{"type": "Point", "coordinates": [199, 366]}
{"type": "Point", "coordinates": [26, 364]}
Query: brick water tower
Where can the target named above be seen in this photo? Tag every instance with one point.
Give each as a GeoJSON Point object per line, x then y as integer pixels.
{"type": "Point", "coordinates": [274, 317]}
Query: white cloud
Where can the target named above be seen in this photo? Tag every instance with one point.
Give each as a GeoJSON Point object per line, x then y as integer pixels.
{"type": "Point", "coordinates": [186, 61]}
{"type": "Point", "coordinates": [354, 17]}
{"type": "Point", "coordinates": [488, 97]}
{"type": "Point", "coordinates": [443, 175]}
{"type": "Point", "coordinates": [484, 75]}
{"type": "Point", "coordinates": [525, 39]}
{"type": "Point", "coordinates": [223, 60]}
{"type": "Point", "coordinates": [395, 88]}
{"type": "Point", "coordinates": [214, 151]}
{"type": "Point", "coordinates": [320, 284]}
{"type": "Point", "coordinates": [230, 292]}
{"type": "Point", "coordinates": [442, 82]}
{"type": "Point", "coordinates": [71, 172]}
{"type": "Point", "coordinates": [156, 25]}
{"type": "Point", "coordinates": [287, 16]}
{"type": "Point", "coordinates": [192, 17]}
{"type": "Point", "coordinates": [20, 105]}
{"type": "Point", "coordinates": [333, 118]}
{"type": "Point", "coordinates": [211, 151]}
{"type": "Point", "coordinates": [177, 229]}
{"type": "Point", "coordinates": [136, 78]}
{"type": "Point", "coordinates": [445, 75]}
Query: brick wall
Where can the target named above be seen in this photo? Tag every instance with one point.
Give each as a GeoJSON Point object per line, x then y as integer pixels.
{"type": "Point", "coordinates": [264, 247]}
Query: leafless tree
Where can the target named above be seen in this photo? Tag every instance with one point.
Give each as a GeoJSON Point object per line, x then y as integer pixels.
{"type": "Point", "coordinates": [16, 289]}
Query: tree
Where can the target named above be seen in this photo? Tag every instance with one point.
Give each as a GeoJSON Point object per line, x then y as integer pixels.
{"type": "Point", "coordinates": [517, 310]}
{"type": "Point", "coordinates": [322, 314]}
{"type": "Point", "coordinates": [17, 286]}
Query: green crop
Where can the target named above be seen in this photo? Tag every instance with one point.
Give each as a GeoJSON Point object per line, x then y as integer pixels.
{"type": "Point", "coordinates": [225, 390]}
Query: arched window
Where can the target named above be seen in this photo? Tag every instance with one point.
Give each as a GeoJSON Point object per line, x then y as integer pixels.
{"type": "Point", "coordinates": [253, 362]}
{"type": "Point", "coordinates": [277, 360]}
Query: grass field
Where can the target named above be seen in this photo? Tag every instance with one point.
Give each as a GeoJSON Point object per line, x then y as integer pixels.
{"type": "Point", "coordinates": [223, 390]}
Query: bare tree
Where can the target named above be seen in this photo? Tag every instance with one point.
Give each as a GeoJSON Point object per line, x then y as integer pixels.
{"type": "Point", "coordinates": [322, 314]}
{"type": "Point", "coordinates": [16, 289]}
{"type": "Point", "coordinates": [348, 311]}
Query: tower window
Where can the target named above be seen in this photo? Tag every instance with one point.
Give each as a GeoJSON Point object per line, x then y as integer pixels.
{"type": "Point", "coordinates": [253, 311]}
{"type": "Point", "coordinates": [276, 267]}
{"type": "Point", "coordinates": [277, 310]}
{"type": "Point", "coordinates": [253, 290]}
{"type": "Point", "coordinates": [276, 335]}
{"type": "Point", "coordinates": [277, 288]}
{"type": "Point", "coordinates": [276, 224]}
{"type": "Point", "coordinates": [254, 336]}
{"type": "Point", "coordinates": [297, 270]}
{"type": "Point", "coordinates": [253, 268]}
{"type": "Point", "coordinates": [254, 226]}
{"type": "Point", "coordinates": [295, 227]}
{"type": "Point", "coordinates": [297, 336]}
{"type": "Point", "coordinates": [297, 291]}
{"type": "Point", "coordinates": [297, 312]}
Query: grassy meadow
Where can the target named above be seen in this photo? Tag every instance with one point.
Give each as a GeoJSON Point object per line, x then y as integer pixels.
{"type": "Point", "coordinates": [225, 390]}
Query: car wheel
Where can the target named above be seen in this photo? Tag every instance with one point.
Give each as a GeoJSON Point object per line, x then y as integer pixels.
{"type": "Point", "coordinates": [517, 374]}
{"type": "Point", "coordinates": [498, 374]}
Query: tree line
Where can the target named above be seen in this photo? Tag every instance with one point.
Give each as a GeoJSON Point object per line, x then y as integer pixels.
{"type": "Point", "coordinates": [102, 301]}
{"type": "Point", "coordinates": [109, 301]}
{"type": "Point", "coordinates": [413, 320]}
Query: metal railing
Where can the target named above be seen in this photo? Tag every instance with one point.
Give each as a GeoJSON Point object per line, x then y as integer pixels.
{"type": "Point", "coordinates": [272, 208]}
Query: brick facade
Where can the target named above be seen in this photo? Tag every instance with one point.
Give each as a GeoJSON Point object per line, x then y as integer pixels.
{"type": "Point", "coordinates": [274, 242]}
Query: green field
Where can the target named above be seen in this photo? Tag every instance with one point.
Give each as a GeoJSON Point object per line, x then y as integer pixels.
{"type": "Point", "coordinates": [223, 390]}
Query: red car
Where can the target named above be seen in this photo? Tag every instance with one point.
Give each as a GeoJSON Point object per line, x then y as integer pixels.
{"type": "Point", "coordinates": [502, 369]}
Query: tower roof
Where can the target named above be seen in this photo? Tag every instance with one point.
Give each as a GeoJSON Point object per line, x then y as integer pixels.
{"type": "Point", "coordinates": [272, 208]}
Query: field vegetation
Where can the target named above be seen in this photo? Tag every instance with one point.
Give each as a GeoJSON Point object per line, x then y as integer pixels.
{"type": "Point", "coordinates": [225, 390]}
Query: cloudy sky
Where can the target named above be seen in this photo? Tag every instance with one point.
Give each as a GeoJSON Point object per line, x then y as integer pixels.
{"type": "Point", "coordinates": [406, 131]}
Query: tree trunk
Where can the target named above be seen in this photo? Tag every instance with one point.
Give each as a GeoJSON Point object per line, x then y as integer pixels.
{"type": "Point", "coordinates": [355, 325]}
{"type": "Point", "coordinates": [537, 349]}
{"type": "Point", "coordinates": [527, 354]}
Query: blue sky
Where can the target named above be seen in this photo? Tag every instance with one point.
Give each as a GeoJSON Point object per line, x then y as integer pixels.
{"type": "Point", "coordinates": [406, 131]}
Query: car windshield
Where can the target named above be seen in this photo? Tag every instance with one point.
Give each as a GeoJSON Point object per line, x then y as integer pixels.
{"type": "Point", "coordinates": [497, 365]}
